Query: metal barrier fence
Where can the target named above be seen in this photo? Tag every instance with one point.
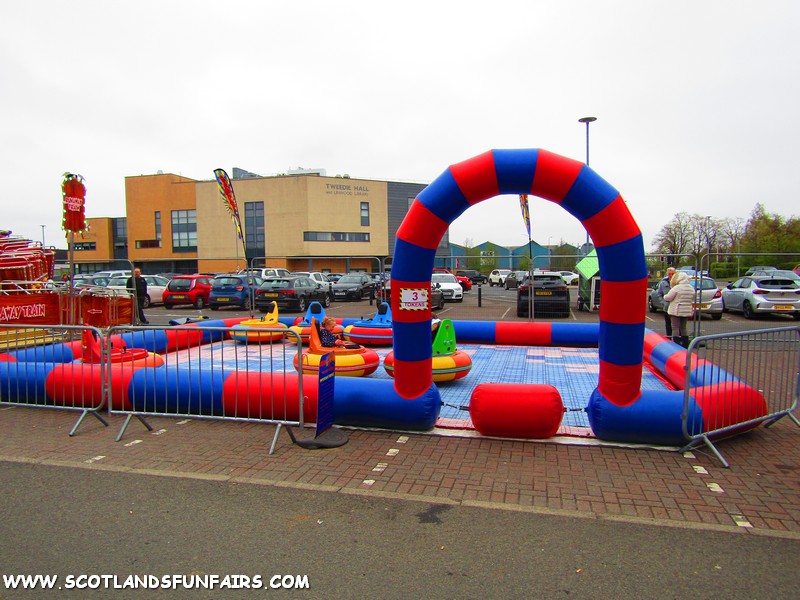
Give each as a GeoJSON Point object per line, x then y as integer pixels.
{"type": "Point", "coordinates": [202, 374]}
{"type": "Point", "coordinates": [42, 373]}
{"type": "Point", "coordinates": [757, 381]}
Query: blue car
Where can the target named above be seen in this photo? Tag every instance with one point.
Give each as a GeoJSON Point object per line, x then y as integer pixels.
{"type": "Point", "coordinates": [233, 290]}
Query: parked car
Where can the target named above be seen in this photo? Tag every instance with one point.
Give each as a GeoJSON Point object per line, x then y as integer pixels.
{"type": "Point", "coordinates": [710, 301]}
{"type": "Point", "coordinates": [752, 270]}
{"type": "Point", "coordinates": [334, 277]}
{"type": "Point", "coordinates": [353, 286]}
{"type": "Point", "coordinates": [436, 300]}
{"type": "Point", "coordinates": [320, 278]}
{"type": "Point", "coordinates": [89, 281]}
{"type": "Point", "coordinates": [797, 269]}
{"type": "Point", "coordinates": [550, 295]}
{"type": "Point", "coordinates": [293, 292]}
{"type": "Point", "coordinates": [465, 282]}
{"type": "Point", "coordinates": [264, 272]}
{"type": "Point", "coordinates": [155, 288]}
{"type": "Point", "coordinates": [449, 285]}
{"type": "Point", "coordinates": [762, 295]}
{"type": "Point", "coordinates": [187, 289]}
{"type": "Point", "coordinates": [569, 277]}
{"type": "Point", "coordinates": [513, 279]}
{"type": "Point", "coordinates": [476, 277]}
{"type": "Point", "coordinates": [378, 279]}
{"type": "Point", "coordinates": [498, 276]}
{"type": "Point", "coordinates": [233, 290]}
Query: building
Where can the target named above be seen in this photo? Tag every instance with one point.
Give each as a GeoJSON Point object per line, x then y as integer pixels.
{"type": "Point", "coordinates": [305, 221]}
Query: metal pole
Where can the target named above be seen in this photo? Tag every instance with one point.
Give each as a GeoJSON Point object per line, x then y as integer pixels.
{"type": "Point", "coordinates": [587, 120]}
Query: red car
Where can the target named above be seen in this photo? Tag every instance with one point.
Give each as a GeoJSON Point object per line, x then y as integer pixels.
{"type": "Point", "coordinates": [187, 289]}
{"type": "Point", "coordinates": [465, 282]}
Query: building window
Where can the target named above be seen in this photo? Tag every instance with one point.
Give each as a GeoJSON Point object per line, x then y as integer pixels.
{"type": "Point", "coordinates": [365, 214]}
{"type": "Point", "coordinates": [158, 226]}
{"type": "Point", "coordinates": [148, 243]}
{"type": "Point", "coordinates": [184, 231]}
{"type": "Point", "coordinates": [254, 237]}
{"type": "Point", "coordinates": [85, 246]}
{"type": "Point", "coordinates": [335, 236]}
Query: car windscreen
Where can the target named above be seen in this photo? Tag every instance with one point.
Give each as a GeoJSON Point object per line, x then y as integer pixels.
{"type": "Point", "coordinates": [773, 283]}
{"type": "Point", "coordinates": [349, 279]}
{"type": "Point", "coordinates": [444, 278]}
{"type": "Point", "coordinates": [220, 281]}
{"type": "Point", "coordinates": [708, 284]}
{"type": "Point", "coordinates": [179, 285]}
{"type": "Point", "coordinates": [277, 284]}
{"type": "Point", "coordinates": [120, 281]}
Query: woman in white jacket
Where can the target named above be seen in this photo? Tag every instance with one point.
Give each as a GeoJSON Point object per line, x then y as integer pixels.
{"type": "Point", "coordinates": [680, 298]}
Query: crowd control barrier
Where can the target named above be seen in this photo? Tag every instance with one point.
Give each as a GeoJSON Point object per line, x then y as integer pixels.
{"type": "Point", "coordinates": [190, 372]}
{"type": "Point", "coordinates": [739, 380]}
{"type": "Point", "coordinates": [38, 369]}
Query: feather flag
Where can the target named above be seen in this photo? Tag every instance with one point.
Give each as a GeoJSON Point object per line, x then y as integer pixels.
{"type": "Point", "coordinates": [229, 199]}
{"type": "Point", "coordinates": [526, 215]}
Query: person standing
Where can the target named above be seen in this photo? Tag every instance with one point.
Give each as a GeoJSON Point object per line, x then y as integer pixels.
{"type": "Point", "coordinates": [681, 299]}
{"type": "Point", "coordinates": [137, 286]}
{"type": "Point", "coordinates": [661, 291]}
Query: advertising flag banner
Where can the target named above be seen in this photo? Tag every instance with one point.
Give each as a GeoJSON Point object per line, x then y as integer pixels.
{"type": "Point", "coordinates": [526, 215]}
{"type": "Point", "coordinates": [229, 199]}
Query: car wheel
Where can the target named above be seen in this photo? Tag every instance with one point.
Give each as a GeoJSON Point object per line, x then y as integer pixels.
{"type": "Point", "coordinates": [302, 304]}
{"type": "Point", "coordinates": [460, 300]}
{"type": "Point", "coordinates": [521, 313]}
{"type": "Point", "coordinates": [491, 283]}
{"type": "Point", "coordinates": [650, 305]}
{"type": "Point", "coordinates": [167, 306]}
{"type": "Point", "coordinates": [716, 316]}
{"type": "Point", "coordinates": [213, 307]}
{"type": "Point", "coordinates": [796, 316]}
{"type": "Point", "coordinates": [747, 311]}
{"type": "Point", "coordinates": [246, 304]}
{"type": "Point", "coordinates": [200, 302]}
{"type": "Point", "coordinates": [326, 300]}
{"type": "Point", "coordinates": [146, 302]}
{"type": "Point", "coordinates": [441, 303]}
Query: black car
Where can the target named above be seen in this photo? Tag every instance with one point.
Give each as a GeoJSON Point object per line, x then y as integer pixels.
{"type": "Point", "coordinates": [353, 286]}
{"type": "Point", "coordinates": [294, 292]}
{"type": "Point", "coordinates": [384, 294]}
{"type": "Point", "coordinates": [550, 296]}
{"type": "Point", "coordinates": [474, 276]}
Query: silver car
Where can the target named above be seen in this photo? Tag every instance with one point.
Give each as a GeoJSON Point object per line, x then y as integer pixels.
{"type": "Point", "coordinates": [763, 295]}
{"type": "Point", "coordinates": [709, 302]}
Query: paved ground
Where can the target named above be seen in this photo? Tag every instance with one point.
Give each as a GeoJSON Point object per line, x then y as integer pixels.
{"type": "Point", "coordinates": [759, 493]}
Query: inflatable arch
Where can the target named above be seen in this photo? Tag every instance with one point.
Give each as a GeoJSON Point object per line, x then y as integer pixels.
{"type": "Point", "coordinates": [567, 182]}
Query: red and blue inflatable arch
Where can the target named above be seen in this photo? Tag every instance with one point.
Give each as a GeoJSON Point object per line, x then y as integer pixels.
{"type": "Point", "coordinates": [582, 193]}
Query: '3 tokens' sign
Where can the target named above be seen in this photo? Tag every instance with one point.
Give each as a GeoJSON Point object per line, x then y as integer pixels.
{"type": "Point", "coordinates": [413, 299]}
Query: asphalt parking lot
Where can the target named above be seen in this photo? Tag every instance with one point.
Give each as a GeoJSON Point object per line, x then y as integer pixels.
{"type": "Point", "coordinates": [486, 303]}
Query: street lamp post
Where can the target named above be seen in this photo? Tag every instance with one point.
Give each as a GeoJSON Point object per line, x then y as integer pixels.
{"type": "Point", "coordinates": [43, 236]}
{"type": "Point", "coordinates": [587, 120]}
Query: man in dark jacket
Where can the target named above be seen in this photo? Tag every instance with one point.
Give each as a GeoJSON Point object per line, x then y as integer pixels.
{"type": "Point", "coordinates": [138, 288]}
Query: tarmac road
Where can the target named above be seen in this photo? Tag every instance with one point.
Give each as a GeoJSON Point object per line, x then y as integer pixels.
{"type": "Point", "coordinates": [64, 520]}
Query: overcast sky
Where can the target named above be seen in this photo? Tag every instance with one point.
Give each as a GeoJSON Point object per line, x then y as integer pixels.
{"type": "Point", "coordinates": [696, 100]}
